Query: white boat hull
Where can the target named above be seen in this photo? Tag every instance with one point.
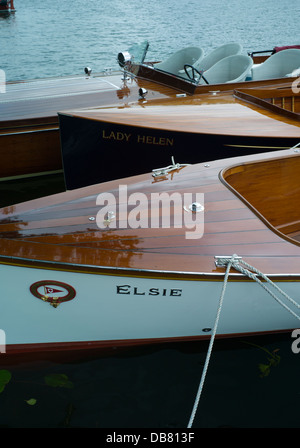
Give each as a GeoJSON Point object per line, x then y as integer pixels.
{"type": "Point", "coordinates": [108, 309]}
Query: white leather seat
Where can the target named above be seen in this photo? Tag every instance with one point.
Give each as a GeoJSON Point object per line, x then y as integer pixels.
{"type": "Point", "coordinates": [231, 69]}
{"type": "Point", "coordinates": [219, 53]}
{"type": "Point", "coordinates": [176, 62]}
{"type": "Point", "coordinates": [277, 65]}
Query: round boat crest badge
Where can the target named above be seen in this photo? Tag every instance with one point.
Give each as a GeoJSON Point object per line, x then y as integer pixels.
{"type": "Point", "coordinates": [53, 292]}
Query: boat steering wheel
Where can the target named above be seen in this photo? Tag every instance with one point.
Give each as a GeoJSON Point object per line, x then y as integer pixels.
{"type": "Point", "coordinates": [192, 76]}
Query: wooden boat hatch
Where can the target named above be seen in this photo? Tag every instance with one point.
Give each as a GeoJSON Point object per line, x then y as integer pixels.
{"type": "Point", "coordinates": [272, 189]}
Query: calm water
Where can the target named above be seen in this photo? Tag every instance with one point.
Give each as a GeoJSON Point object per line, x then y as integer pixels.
{"type": "Point", "coordinates": [150, 387]}
{"type": "Point", "coordinates": [58, 37]}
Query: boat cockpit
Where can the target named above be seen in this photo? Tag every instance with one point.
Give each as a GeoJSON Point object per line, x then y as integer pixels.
{"type": "Point", "coordinates": [191, 67]}
{"type": "Point", "coordinates": [271, 188]}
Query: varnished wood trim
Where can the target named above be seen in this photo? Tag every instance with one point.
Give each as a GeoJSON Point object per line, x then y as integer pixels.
{"type": "Point", "coordinates": [150, 73]}
{"type": "Point", "coordinates": [35, 123]}
{"type": "Point", "coordinates": [31, 131]}
{"type": "Point", "coordinates": [258, 147]}
{"type": "Point", "coordinates": [30, 175]}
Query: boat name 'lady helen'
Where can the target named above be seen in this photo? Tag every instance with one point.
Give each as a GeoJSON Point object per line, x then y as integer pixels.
{"type": "Point", "coordinates": [143, 139]}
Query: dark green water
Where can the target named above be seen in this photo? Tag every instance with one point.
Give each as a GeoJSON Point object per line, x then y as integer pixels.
{"type": "Point", "coordinates": [155, 387]}
{"type": "Point", "coordinates": [21, 190]}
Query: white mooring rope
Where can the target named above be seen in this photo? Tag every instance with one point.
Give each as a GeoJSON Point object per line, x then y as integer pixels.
{"type": "Point", "coordinates": [253, 273]}
{"type": "Point", "coordinates": [211, 343]}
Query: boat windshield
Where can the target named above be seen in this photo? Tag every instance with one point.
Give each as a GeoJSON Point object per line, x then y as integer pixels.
{"type": "Point", "coordinates": [138, 52]}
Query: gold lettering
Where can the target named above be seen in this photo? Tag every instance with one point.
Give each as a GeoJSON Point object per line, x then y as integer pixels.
{"type": "Point", "coordinates": [127, 136]}
{"type": "Point", "coordinates": [119, 136]}
{"type": "Point", "coordinates": [150, 140]}
{"type": "Point", "coordinates": [145, 139]}
{"type": "Point", "coordinates": [141, 139]}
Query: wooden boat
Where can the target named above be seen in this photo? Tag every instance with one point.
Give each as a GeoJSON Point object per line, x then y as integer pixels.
{"type": "Point", "coordinates": [6, 6]}
{"type": "Point", "coordinates": [108, 143]}
{"type": "Point", "coordinates": [88, 277]}
{"type": "Point", "coordinates": [29, 128]}
{"type": "Point", "coordinates": [229, 72]}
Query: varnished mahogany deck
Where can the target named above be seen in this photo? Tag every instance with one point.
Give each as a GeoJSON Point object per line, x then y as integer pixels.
{"type": "Point", "coordinates": [56, 231]}
{"type": "Point", "coordinates": [211, 114]}
{"type": "Point", "coordinates": [43, 98]}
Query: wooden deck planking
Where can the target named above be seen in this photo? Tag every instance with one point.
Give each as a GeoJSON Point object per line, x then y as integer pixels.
{"type": "Point", "coordinates": [69, 238]}
{"type": "Point", "coordinates": [43, 99]}
{"type": "Point", "coordinates": [234, 119]}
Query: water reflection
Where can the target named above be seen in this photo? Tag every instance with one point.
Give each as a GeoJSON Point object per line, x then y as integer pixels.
{"type": "Point", "coordinates": [113, 249]}
{"type": "Point", "coordinates": [7, 16]}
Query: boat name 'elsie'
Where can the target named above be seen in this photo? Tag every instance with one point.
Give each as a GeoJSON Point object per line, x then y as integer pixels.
{"type": "Point", "coordinates": [139, 138]}
{"type": "Point", "coordinates": [127, 289]}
